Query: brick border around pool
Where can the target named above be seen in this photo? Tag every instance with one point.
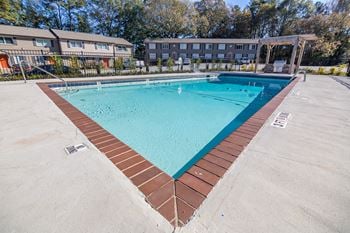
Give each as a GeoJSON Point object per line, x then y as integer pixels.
{"type": "Point", "coordinates": [176, 200]}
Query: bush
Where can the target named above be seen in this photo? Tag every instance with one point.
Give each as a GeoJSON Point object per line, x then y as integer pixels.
{"type": "Point", "coordinates": [170, 64]}
{"type": "Point", "coordinates": [132, 64]}
{"type": "Point", "coordinates": [321, 70]}
{"type": "Point", "coordinates": [198, 63]}
{"type": "Point", "coordinates": [58, 64]}
{"type": "Point", "coordinates": [251, 67]}
{"type": "Point", "coordinates": [119, 64]}
{"type": "Point", "coordinates": [159, 65]}
{"type": "Point", "coordinates": [244, 67]}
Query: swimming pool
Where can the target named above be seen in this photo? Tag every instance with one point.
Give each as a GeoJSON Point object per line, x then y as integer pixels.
{"type": "Point", "coordinates": [174, 123]}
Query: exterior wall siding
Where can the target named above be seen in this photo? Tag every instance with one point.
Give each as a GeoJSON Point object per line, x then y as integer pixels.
{"type": "Point", "coordinates": [90, 47]}
{"type": "Point", "coordinates": [28, 43]}
{"type": "Point", "coordinates": [174, 51]}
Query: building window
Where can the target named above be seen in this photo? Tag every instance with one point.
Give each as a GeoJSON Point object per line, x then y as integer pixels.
{"type": "Point", "coordinates": [238, 56]}
{"type": "Point", "coordinates": [165, 46]}
{"type": "Point", "coordinates": [42, 43]}
{"type": "Point", "coordinates": [102, 46]}
{"type": "Point", "coordinates": [121, 48]}
{"type": "Point", "coordinates": [239, 46]}
{"type": "Point", "coordinates": [196, 46]}
{"type": "Point", "coordinates": [252, 46]}
{"type": "Point", "coordinates": [165, 55]}
{"type": "Point", "coordinates": [6, 40]}
{"type": "Point", "coordinates": [251, 55]}
{"type": "Point", "coordinates": [183, 55]}
{"type": "Point", "coordinates": [183, 46]}
{"type": "Point", "coordinates": [207, 56]}
{"type": "Point", "coordinates": [152, 46]}
{"type": "Point", "coordinates": [195, 55]}
{"type": "Point", "coordinates": [75, 44]}
{"type": "Point", "coordinates": [221, 56]}
{"type": "Point", "coordinates": [208, 46]}
{"type": "Point", "coordinates": [152, 56]}
{"type": "Point", "coordinates": [222, 47]}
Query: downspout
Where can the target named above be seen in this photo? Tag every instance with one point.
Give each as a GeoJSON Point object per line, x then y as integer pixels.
{"type": "Point", "coordinates": [58, 42]}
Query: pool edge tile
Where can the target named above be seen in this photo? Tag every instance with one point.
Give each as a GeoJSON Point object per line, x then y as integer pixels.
{"type": "Point", "coordinates": [179, 198]}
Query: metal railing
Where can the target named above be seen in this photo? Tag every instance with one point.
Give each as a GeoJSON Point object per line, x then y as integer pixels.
{"type": "Point", "coordinates": [50, 74]}
{"type": "Point", "coordinates": [301, 71]}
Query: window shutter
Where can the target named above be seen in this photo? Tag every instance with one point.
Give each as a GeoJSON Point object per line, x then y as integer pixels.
{"type": "Point", "coordinates": [52, 45]}
{"type": "Point", "coordinates": [83, 44]}
{"type": "Point", "coordinates": [96, 46]}
{"type": "Point", "coordinates": [14, 40]}
{"type": "Point", "coordinates": [68, 45]}
{"type": "Point", "coordinates": [34, 42]}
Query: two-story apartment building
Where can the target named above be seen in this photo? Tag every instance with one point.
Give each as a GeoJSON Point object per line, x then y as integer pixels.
{"type": "Point", "coordinates": [205, 49]}
{"type": "Point", "coordinates": [37, 45]}
{"type": "Point", "coordinates": [92, 45]}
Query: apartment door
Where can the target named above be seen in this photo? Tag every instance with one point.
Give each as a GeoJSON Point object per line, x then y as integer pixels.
{"type": "Point", "coordinates": [105, 62]}
{"type": "Point", "coordinates": [4, 61]}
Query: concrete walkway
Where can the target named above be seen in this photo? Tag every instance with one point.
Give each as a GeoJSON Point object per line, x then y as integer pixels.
{"type": "Point", "coordinates": [44, 190]}
{"type": "Point", "coordinates": [295, 179]}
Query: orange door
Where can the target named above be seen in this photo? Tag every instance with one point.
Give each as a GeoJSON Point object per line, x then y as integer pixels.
{"type": "Point", "coordinates": [4, 61]}
{"type": "Point", "coordinates": [105, 62]}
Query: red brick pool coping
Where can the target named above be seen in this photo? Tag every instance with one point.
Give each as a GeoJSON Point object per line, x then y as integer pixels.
{"type": "Point", "coordinates": [176, 200]}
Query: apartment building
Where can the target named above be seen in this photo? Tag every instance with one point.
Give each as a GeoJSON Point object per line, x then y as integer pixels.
{"type": "Point", "coordinates": [206, 49]}
{"type": "Point", "coordinates": [39, 45]}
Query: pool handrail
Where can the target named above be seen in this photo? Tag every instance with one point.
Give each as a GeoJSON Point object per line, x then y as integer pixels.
{"type": "Point", "coordinates": [301, 71]}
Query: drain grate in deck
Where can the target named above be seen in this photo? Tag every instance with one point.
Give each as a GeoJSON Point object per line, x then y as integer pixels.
{"type": "Point", "coordinates": [76, 148]}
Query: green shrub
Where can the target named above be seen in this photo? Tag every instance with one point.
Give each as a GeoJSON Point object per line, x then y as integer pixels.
{"type": "Point", "coordinates": [159, 65]}
{"type": "Point", "coordinates": [251, 67]}
{"type": "Point", "coordinates": [198, 63]}
{"type": "Point", "coordinates": [170, 64]}
{"type": "Point", "coordinates": [58, 64]}
{"type": "Point", "coordinates": [74, 65]}
{"type": "Point", "coordinates": [332, 70]}
{"type": "Point", "coordinates": [119, 64]}
{"type": "Point", "coordinates": [244, 67]}
{"type": "Point", "coordinates": [321, 70]}
{"type": "Point", "coordinates": [132, 65]}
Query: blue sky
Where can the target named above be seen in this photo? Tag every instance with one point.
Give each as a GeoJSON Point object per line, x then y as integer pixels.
{"type": "Point", "coordinates": [243, 3]}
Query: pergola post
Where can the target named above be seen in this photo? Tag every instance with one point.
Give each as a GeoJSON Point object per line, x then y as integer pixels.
{"type": "Point", "coordinates": [257, 57]}
{"type": "Point", "coordinates": [294, 53]}
{"type": "Point", "coordinates": [268, 54]}
{"type": "Point", "coordinates": [301, 53]}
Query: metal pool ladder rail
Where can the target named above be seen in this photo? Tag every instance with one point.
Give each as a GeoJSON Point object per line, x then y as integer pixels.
{"type": "Point", "coordinates": [52, 75]}
{"type": "Point", "coordinates": [301, 71]}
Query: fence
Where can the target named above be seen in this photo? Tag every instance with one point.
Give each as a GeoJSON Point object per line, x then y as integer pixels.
{"type": "Point", "coordinates": [93, 65]}
{"type": "Point", "coordinates": [65, 65]}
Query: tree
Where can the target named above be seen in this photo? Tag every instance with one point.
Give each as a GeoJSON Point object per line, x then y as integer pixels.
{"type": "Point", "coordinates": [168, 19]}
{"type": "Point", "coordinates": [105, 15]}
{"type": "Point", "coordinates": [215, 16]}
{"type": "Point", "coordinates": [10, 12]}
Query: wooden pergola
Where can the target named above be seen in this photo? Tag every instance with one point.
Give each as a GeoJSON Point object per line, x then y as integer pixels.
{"type": "Point", "coordinates": [295, 40]}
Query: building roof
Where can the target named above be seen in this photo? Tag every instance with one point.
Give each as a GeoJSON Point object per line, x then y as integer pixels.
{"type": "Point", "coordinates": [25, 31]}
{"type": "Point", "coordinates": [89, 37]}
{"type": "Point", "coordinates": [203, 40]}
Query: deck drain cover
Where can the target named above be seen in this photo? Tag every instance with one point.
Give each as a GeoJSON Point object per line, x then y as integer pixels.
{"type": "Point", "coordinates": [281, 120]}
{"type": "Point", "coordinates": [76, 148]}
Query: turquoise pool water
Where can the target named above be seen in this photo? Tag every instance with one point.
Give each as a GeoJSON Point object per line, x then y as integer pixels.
{"type": "Point", "coordinates": [173, 124]}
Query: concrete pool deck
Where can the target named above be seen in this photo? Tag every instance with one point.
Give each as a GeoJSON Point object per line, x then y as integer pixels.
{"type": "Point", "coordinates": [295, 179]}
